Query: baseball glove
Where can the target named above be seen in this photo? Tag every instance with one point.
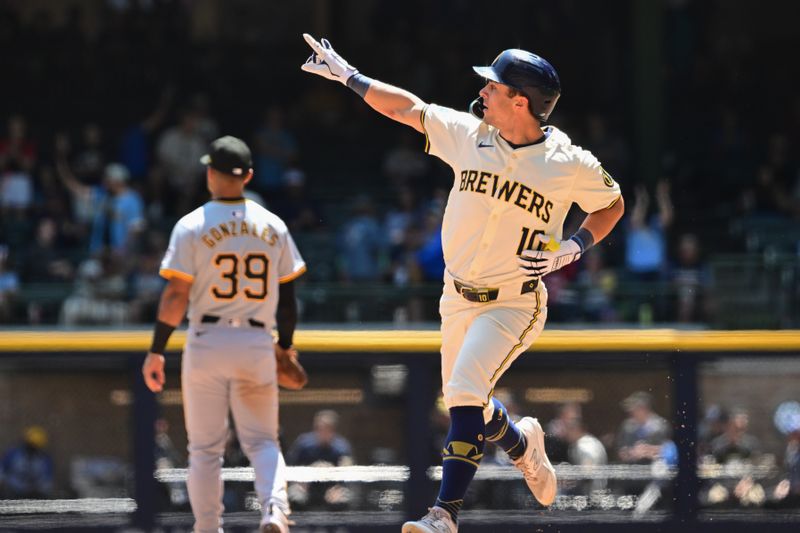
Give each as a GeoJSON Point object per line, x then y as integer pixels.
{"type": "Point", "coordinates": [291, 374]}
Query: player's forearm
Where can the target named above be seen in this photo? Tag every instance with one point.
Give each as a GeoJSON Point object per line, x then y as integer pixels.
{"type": "Point", "coordinates": [600, 223]}
{"type": "Point", "coordinates": [396, 103]}
{"type": "Point", "coordinates": [286, 314]}
{"type": "Point", "coordinates": [172, 307]}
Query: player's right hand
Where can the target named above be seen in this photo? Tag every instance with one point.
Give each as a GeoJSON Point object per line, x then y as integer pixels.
{"type": "Point", "coordinates": [153, 371]}
{"type": "Point", "coordinates": [325, 62]}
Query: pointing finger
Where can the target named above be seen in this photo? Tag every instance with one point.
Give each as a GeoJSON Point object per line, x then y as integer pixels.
{"type": "Point", "coordinates": [313, 43]}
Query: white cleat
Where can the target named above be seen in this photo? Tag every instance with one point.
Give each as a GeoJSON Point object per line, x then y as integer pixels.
{"type": "Point", "coordinates": [276, 522]}
{"type": "Point", "coordinates": [535, 466]}
{"type": "Point", "coordinates": [436, 521]}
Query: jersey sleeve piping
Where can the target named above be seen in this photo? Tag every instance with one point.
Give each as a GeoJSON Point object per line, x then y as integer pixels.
{"type": "Point", "coordinates": [293, 276]}
{"type": "Point", "coordinates": [424, 129]}
{"type": "Point", "coordinates": [612, 203]}
{"type": "Point", "coordinates": [168, 273]}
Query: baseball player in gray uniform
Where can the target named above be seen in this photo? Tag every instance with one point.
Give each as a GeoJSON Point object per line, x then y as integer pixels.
{"type": "Point", "coordinates": [232, 263]}
{"type": "Point", "coordinates": [515, 179]}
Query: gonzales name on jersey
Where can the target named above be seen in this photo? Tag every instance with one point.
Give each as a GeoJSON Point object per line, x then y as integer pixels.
{"type": "Point", "coordinates": [239, 228]}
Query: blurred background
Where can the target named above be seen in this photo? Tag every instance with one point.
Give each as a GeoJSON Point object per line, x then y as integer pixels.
{"type": "Point", "coordinates": [107, 105]}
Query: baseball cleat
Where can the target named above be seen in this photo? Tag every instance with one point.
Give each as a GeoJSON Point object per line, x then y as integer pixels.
{"type": "Point", "coordinates": [436, 521]}
{"type": "Point", "coordinates": [277, 521]}
{"type": "Point", "coordinates": [539, 474]}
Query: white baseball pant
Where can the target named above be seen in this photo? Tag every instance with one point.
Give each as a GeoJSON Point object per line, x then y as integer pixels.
{"type": "Point", "coordinates": [481, 340]}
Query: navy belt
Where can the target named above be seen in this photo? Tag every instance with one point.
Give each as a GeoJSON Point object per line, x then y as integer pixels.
{"type": "Point", "coordinates": [489, 294]}
{"type": "Point", "coordinates": [213, 319]}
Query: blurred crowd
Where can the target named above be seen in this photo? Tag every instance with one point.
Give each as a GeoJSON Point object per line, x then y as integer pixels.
{"type": "Point", "coordinates": [101, 139]}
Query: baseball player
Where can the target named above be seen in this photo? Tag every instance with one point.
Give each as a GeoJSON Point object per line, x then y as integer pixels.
{"type": "Point", "coordinates": [514, 181]}
{"type": "Point", "coordinates": [232, 263]}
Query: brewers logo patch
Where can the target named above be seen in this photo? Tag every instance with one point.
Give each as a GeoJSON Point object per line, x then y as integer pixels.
{"type": "Point", "coordinates": [607, 179]}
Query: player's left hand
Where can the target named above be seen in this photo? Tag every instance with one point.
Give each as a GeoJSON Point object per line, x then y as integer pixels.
{"type": "Point", "coordinates": [556, 254]}
{"type": "Point", "coordinates": [326, 62]}
{"type": "Point", "coordinates": [153, 371]}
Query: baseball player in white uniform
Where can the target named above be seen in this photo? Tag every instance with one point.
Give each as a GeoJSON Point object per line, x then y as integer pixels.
{"type": "Point", "coordinates": [232, 263]}
{"type": "Point", "coordinates": [514, 182]}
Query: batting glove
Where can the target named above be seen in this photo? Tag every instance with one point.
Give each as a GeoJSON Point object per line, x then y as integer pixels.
{"type": "Point", "coordinates": [326, 62]}
{"type": "Point", "coordinates": [556, 254]}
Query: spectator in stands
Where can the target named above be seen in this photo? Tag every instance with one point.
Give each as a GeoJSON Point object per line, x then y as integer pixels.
{"type": "Point", "coordinates": [643, 433]}
{"type": "Point", "coordinates": [646, 247]}
{"type": "Point", "coordinates": [17, 145]}
{"type": "Point", "coordinates": [45, 262]}
{"type": "Point", "coordinates": [765, 197]}
{"type": "Point", "coordinates": [99, 296]}
{"type": "Point", "coordinates": [26, 470]}
{"type": "Point", "coordinates": [179, 150]}
{"type": "Point", "coordinates": [787, 492]}
{"type": "Point", "coordinates": [735, 448]}
{"type": "Point", "coordinates": [736, 444]}
{"type": "Point", "coordinates": [167, 456]}
{"type": "Point", "coordinates": [556, 441]}
{"type": "Point", "coordinates": [16, 190]}
{"type": "Point", "coordinates": [690, 280]}
{"type": "Point", "coordinates": [9, 287]}
{"type": "Point", "coordinates": [145, 283]}
{"type": "Point", "coordinates": [118, 216]}
{"type": "Point", "coordinates": [135, 150]}
{"type": "Point", "coordinates": [297, 207]}
{"type": "Point", "coordinates": [711, 427]}
{"type": "Point", "coordinates": [585, 450]}
{"type": "Point", "coordinates": [596, 285]}
{"type": "Point", "coordinates": [361, 244]}
{"type": "Point", "coordinates": [120, 219]}
{"type": "Point", "coordinates": [89, 162]}
{"type": "Point", "coordinates": [323, 446]}
{"type": "Point", "coordinates": [275, 148]}
{"type": "Point", "coordinates": [429, 259]}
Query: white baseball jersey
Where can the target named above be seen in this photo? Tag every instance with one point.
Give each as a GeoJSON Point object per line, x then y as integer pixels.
{"type": "Point", "coordinates": [235, 253]}
{"type": "Point", "coordinates": [503, 199]}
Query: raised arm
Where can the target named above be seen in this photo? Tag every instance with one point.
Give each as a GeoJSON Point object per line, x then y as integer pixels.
{"type": "Point", "coordinates": [397, 104]}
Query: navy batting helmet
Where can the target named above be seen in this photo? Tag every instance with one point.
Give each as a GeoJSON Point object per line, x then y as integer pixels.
{"type": "Point", "coordinates": [530, 74]}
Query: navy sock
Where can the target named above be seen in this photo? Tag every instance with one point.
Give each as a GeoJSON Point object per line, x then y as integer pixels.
{"type": "Point", "coordinates": [502, 431]}
{"type": "Point", "coordinates": [461, 456]}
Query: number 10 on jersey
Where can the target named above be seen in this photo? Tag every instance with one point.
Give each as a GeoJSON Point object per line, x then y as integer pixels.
{"type": "Point", "coordinates": [528, 239]}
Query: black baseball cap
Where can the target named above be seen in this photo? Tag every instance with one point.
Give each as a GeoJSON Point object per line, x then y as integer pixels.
{"type": "Point", "coordinates": [229, 155]}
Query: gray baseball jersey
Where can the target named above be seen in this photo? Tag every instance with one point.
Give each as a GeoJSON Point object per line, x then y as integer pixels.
{"type": "Point", "coordinates": [235, 253]}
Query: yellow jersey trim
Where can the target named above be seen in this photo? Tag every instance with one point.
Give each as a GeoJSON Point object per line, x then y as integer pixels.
{"type": "Point", "coordinates": [293, 276]}
{"type": "Point", "coordinates": [168, 273]}
{"type": "Point", "coordinates": [424, 130]}
{"type": "Point", "coordinates": [612, 203]}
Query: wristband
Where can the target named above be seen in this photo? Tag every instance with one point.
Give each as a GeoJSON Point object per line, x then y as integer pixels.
{"type": "Point", "coordinates": [161, 334]}
{"type": "Point", "coordinates": [584, 238]}
{"type": "Point", "coordinates": [359, 84]}
{"type": "Point", "coordinates": [284, 343]}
